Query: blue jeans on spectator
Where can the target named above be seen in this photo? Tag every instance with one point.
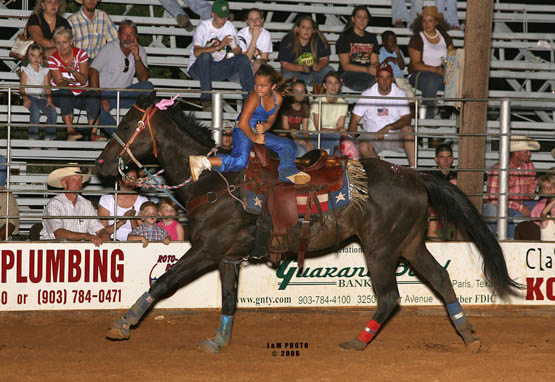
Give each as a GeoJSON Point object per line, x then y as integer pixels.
{"type": "Point", "coordinates": [3, 170]}
{"type": "Point", "coordinates": [358, 81]}
{"type": "Point", "coordinates": [206, 70]}
{"type": "Point", "coordinates": [308, 78]}
{"type": "Point", "coordinates": [126, 100]}
{"type": "Point", "coordinates": [429, 83]}
{"type": "Point", "coordinates": [489, 210]}
{"type": "Point", "coordinates": [328, 142]}
{"type": "Point", "coordinates": [399, 11]}
{"type": "Point", "coordinates": [87, 100]}
{"type": "Point", "coordinates": [38, 106]}
{"type": "Point", "coordinates": [200, 7]}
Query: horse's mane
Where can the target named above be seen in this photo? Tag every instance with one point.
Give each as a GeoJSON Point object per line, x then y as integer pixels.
{"type": "Point", "coordinates": [184, 120]}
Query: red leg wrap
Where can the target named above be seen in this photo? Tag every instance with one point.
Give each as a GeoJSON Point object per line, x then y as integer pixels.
{"type": "Point", "coordinates": [369, 331]}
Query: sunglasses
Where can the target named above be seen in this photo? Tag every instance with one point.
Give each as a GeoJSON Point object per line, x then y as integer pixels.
{"type": "Point", "coordinates": [126, 62]}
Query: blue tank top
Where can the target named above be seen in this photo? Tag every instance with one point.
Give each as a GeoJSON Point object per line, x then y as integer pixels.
{"type": "Point", "coordinates": [260, 114]}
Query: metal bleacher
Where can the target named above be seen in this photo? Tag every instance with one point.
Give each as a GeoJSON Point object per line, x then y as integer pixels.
{"type": "Point", "coordinates": [522, 67]}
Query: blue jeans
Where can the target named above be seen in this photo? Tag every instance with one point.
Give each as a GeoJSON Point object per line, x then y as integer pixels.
{"type": "Point", "coordinates": [447, 7]}
{"type": "Point", "coordinates": [358, 81]}
{"type": "Point", "coordinates": [206, 70]}
{"type": "Point", "coordinates": [200, 7]}
{"type": "Point", "coordinates": [429, 83]}
{"type": "Point", "coordinates": [38, 106]}
{"type": "Point", "coordinates": [489, 210]}
{"type": "Point", "coordinates": [126, 100]}
{"type": "Point", "coordinates": [67, 101]}
{"type": "Point", "coordinates": [239, 158]}
{"type": "Point", "coordinates": [308, 77]}
{"type": "Point", "coordinates": [3, 171]}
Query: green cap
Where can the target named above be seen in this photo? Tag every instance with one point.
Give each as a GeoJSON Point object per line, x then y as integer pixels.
{"type": "Point", "coordinates": [221, 8]}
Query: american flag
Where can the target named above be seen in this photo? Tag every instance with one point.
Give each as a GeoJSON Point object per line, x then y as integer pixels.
{"type": "Point", "coordinates": [383, 112]}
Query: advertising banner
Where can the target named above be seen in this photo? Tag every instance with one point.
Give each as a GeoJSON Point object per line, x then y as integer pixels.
{"type": "Point", "coordinates": [58, 276]}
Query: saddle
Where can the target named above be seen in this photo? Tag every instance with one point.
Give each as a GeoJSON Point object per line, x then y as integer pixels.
{"type": "Point", "coordinates": [280, 202]}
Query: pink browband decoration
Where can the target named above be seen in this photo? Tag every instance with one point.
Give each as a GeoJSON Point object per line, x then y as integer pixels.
{"type": "Point", "coordinates": [165, 103]}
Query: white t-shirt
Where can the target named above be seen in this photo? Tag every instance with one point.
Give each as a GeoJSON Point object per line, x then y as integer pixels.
{"type": "Point", "coordinates": [377, 113]}
{"type": "Point", "coordinates": [433, 53]}
{"type": "Point", "coordinates": [35, 78]}
{"type": "Point", "coordinates": [108, 201]}
{"type": "Point", "coordinates": [331, 112]}
{"type": "Point", "coordinates": [205, 32]}
{"type": "Point", "coordinates": [110, 64]}
{"type": "Point", "coordinates": [263, 44]}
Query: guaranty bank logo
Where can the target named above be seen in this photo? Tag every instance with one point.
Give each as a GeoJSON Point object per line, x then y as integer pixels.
{"type": "Point", "coordinates": [346, 277]}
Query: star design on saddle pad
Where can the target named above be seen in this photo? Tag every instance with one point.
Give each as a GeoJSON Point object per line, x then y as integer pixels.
{"type": "Point", "coordinates": [257, 202]}
{"type": "Point", "coordinates": [339, 197]}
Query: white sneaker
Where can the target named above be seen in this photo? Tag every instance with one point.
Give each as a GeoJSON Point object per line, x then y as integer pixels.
{"type": "Point", "coordinates": [198, 163]}
{"type": "Point", "coordinates": [299, 178]}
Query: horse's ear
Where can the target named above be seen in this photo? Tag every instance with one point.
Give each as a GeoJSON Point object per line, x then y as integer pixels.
{"type": "Point", "coordinates": [146, 99]}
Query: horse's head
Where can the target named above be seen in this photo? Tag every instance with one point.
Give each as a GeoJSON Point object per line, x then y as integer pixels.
{"type": "Point", "coordinates": [141, 145]}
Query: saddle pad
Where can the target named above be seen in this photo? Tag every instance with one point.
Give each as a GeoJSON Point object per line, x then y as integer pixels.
{"type": "Point", "coordinates": [340, 198]}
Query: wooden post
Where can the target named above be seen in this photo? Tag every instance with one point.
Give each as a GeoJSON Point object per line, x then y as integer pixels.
{"type": "Point", "coordinates": [477, 43]}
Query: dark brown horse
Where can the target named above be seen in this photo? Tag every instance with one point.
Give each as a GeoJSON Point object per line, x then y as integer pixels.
{"type": "Point", "coordinates": [391, 223]}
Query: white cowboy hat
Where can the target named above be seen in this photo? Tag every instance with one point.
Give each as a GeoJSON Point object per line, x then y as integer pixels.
{"type": "Point", "coordinates": [55, 177]}
{"type": "Point", "coordinates": [522, 143]}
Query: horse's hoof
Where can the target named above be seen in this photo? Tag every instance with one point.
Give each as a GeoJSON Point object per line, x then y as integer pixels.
{"type": "Point", "coordinates": [474, 346]}
{"type": "Point", "coordinates": [355, 344]}
{"type": "Point", "coordinates": [209, 346]}
{"type": "Point", "coordinates": [117, 334]}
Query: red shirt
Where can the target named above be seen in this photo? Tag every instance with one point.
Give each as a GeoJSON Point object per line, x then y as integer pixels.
{"type": "Point", "coordinates": [55, 62]}
{"type": "Point", "coordinates": [521, 181]}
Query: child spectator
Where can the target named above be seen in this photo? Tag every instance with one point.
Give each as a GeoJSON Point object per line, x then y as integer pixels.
{"type": "Point", "coordinates": [392, 55]}
{"type": "Point", "coordinates": [166, 210]}
{"type": "Point", "coordinates": [548, 225]}
{"type": "Point", "coordinates": [149, 231]}
{"type": "Point", "coordinates": [546, 189]}
{"type": "Point", "coordinates": [334, 112]}
{"type": "Point", "coordinates": [38, 100]}
{"type": "Point", "coordinates": [295, 115]}
{"type": "Point", "coordinates": [254, 40]}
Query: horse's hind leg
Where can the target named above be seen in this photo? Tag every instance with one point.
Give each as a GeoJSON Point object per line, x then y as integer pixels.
{"type": "Point", "coordinates": [385, 286]}
{"type": "Point", "coordinates": [229, 276]}
{"type": "Point", "coordinates": [427, 266]}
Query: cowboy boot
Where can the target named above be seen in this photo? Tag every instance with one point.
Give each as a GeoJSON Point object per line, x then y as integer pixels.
{"type": "Point", "coordinates": [198, 163]}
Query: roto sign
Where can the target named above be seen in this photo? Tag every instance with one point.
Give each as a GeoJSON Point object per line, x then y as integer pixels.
{"type": "Point", "coordinates": [62, 265]}
{"type": "Point", "coordinates": [539, 288]}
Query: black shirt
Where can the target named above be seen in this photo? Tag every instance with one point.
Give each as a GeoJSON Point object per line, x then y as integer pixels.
{"type": "Point", "coordinates": [287, 52]}
{"type": "Point", "coordinates": [46, 32]}
{"type": "Point", "coordinates": [359, 48]}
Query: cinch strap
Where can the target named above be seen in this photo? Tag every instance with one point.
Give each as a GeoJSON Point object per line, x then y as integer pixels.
{"type": "Point", "coordinates": [369, 331]}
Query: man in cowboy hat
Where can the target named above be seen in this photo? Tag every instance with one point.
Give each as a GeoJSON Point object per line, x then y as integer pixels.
{"type": "Point", "coordinates": [71, 204]}
{"type": "Point", "coordinates": [522, 183]}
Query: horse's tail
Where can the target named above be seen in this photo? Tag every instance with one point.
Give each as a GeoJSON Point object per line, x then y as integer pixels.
{"type": "Point", "coordinates": [452, 205]}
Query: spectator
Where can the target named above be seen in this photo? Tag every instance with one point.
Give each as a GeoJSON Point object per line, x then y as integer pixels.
{"type": "Point", "coordinates": [92, 28]}
{"type": "Point", "coordinates": [167, 209]}
{"type": "Point", "coordinates": [522, 184]}
{"type": "Point", "coordinates": [392, 55]}
{"type": "Point", "coordinates": [444, 160]}
{"type": "Point", "coordinates": [333, 113]}
{"type": "Point", "coordinates": [304, 53]}
{"type": "Point", "coordinates": [546, 189]}
{"type": "Point", "coordinates": [8, 207]}
{"type": "Point", "coordinates": [200, 7]}
{"type": "Point", "coordinates": [254, 40]}
{"type": "Point", "coordinates": [114, 67]}
{"type": "Point", "coordinates": [382, 116]}
{"type": "Point", "coordinates": [401, 17]}
{"type": "Point", "coordinates": [547, 223]}
{"type": "Point", "coordinates": [47, 16]}
{"type": "Point", "coordinates": [149, 231]}
{"type": "Point", "coordinates": [428, 47]}
{"type": "Point", "coordinates": [295, 116]}
{"type": "Point", "coordinates": [358, 52]}
{"type": "Point", "coordinates": [129, 202]}
{"type": "Point", "coordinates": [38, 100]}
{"type": "Point", "coordinates": [208, 61]}
{"type": "Point", "coordinates": [69, 67]}
{"type": "Point", "coordinates": [71, 203]}
{"type": "Point", "coordinates": [227, 136]}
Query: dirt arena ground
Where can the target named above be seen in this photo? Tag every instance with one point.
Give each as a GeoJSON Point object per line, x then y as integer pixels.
{"type": "Point", "coordinates": [415, 345]}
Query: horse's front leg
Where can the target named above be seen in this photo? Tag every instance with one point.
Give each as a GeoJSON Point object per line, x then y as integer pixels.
{"type": "Point", "coordinates": [229, 276]}
{"type": "Point", "coordinates": [189, 265]}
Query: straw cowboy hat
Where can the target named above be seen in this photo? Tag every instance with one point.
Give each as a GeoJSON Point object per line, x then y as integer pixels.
{"type": "Point", "coordinates": [55, 177]}
{"type": "Point", "coordinates": [431, 10]}
{"type": "Point", "coordinates": [522, 143]}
